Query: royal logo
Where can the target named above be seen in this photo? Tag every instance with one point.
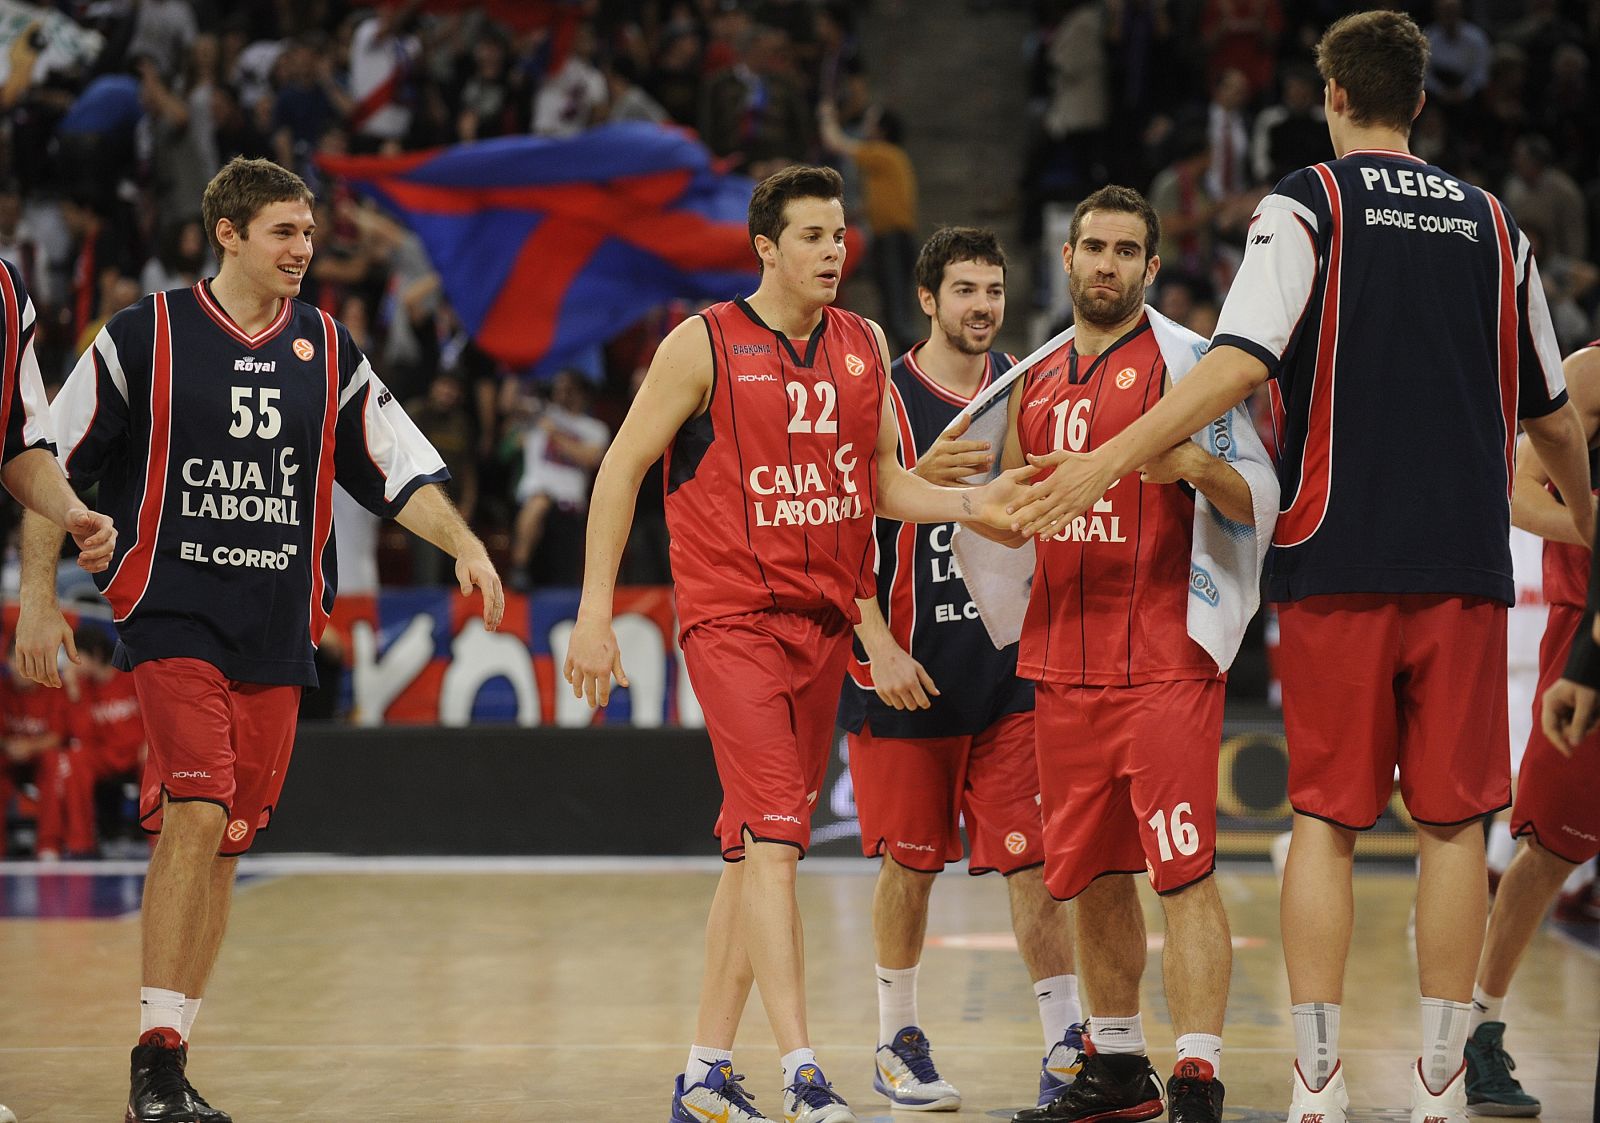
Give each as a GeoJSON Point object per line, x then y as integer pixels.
{"type": "Point", "coordinates": [238, 829]}
{"type": "Point", "coordinates": [855, 365]}
{"type": "Point", "coordinates": [385, 398]}
{"type": "Point", "coordinates": [254, 365]}
{"type": "Point", "coordinates": [1016, 842]}
{"type": "Point", "coordinates": [303, 350]}
{"type": "Point", "coordinates": [1126, 377]}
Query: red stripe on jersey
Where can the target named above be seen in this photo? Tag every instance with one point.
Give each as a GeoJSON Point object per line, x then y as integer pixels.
{"type": "Point", "coordinates": [1386, 152]}
{"type": "Point", "coordinates": [903, 593]}
{"type": "Point", "coordinates": [1300, 520]}
{"type": "Point", "coordinates": [322, 518]}
{"type": "Point", "coordinates": [1278, 416]}
{"type": "Point", "coordinates": [128, 585]}
{"type": "Point", "coordinates": [1507, 334]}
{"type": "Point", "coordinates": [225, 322]}
{"type": "Point", "coordinates": [13, 355]}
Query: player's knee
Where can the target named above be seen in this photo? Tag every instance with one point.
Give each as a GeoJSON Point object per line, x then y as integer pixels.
{"type": "Point", "coordinates": [1549, 867]}
{"type": "Point", "coordinates": [193, 822]}
{"type": "Point", "coordinates": [915, 880]}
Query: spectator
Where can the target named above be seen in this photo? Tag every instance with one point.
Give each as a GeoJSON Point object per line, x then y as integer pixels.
{"type": "Point", "coordinates": [182, 259]}
{"type": "Point", "coordinates": [17, 242]}
{"type": "Point", "coordinates": [106, 723]}
{"type": "Point", "coordinates": [889, 184]}
{"type": "Point", "coordinates": [485, 105]}
{"type": "Point", "coordinates": [308, 103]}
{"type": "Point", "coordinates": [1545, 196]}
{"type": "Point", "coordinates": [1294, 133]}
{"type": "Point", "coordinates": [562, 445]}
{"type": "Point", "coordinates": [625, 100]}
{"type": "Point", "coordinates": [382, 55]}
{"type": "Point", "coordinates": [33, 746]}
{"type": "Point", "coordinates": [1242, 35]}
{"type": "Point", "coordinates": [573, 97]}
{"type": "Point", "coordinates": [674, 81]}
{"type": "Point", "coordinates": [754, 109]}
{"type": "Point", "coordinates": [1180, 195]}
{"type": "Point", "coordinates": [163, 31]}
{"type": "Point", "coordinates": [1225, 128]}
{"type": "Point", "coordinates": [1458, 56]}
{"type": "Point", "coordinates": [443, 418]}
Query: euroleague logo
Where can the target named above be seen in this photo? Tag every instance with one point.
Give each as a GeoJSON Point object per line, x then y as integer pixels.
{"type": "Point", "coordinates": [303, 350]}
{"type": "Point", "coordinates": [1016, 842]}
{"type": "Point", "coordinates": [855, 365]}
{"type": "Point", "coordinates": [238, 829]}
{"type": "Point", "coordinates": [1126, 378]}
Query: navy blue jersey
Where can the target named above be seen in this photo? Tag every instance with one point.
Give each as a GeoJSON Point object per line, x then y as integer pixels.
{"type": "Point", "coordinates": [925, 600]}
{"type": "Point", "coordinates": [24, 410]}
{"type": "Point", "coordinates": [216, 453]}
{"type": "Point", "coordinates": [1400, 313]}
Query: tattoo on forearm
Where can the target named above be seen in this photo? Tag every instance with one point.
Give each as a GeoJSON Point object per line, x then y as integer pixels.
{"type": "Point", "coordinates": [966, 505]}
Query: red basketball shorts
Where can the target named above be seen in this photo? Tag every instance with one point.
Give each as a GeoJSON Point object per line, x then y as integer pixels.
{"type": "Point", "coordinates": [769, 684]}
{"type": "Point", "coordinates": [1558, 797]}
{"type": "Point", "coordinates": [1372, 682]}
{"type": "Point", "coordinates": [214, 740]}
{"type": "Point", "coordinates": [1128, 776]}
{"type": "Point", "coordinates": [913, 794]}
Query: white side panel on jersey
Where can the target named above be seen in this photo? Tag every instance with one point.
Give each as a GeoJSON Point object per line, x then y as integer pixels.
{"type": "Point", "coordinates": [1543, 331]}
{"type": "Point", "coordinates": [36, 424]}
{"type": "Point", "coordinates": [73, 411]}
{"type": "Point", "coordinates": [1273, 284]}
{"type": "Point", "coordinates": [394, 442]}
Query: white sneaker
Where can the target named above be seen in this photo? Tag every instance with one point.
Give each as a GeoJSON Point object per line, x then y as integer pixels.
{"type": "Point", "coordinates": [1325, 1106]}
{"type": "Point", "coordinates": [1449, 1106]}
{"type": "Point", "coordinates": [904, 1072]}
{"type": "Point", "coordinates": [811, 1099]}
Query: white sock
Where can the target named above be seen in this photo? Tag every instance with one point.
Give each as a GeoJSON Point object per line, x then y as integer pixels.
{"type": "Point", "coordinates": [794, 1062]}
{"type": "Point", "coordinates": [160, 1009]}
{"type": "Point", "coordinates": [1485, 1008]}
{"type": "Point", "coordinates": [1444, 1040]}
{"type": "Point", "coordinates": [702, 1059]}
{"type": "Point", "coordinates": [1316, 1041]}
{"type": "Point", "coordinates": [897, 1001]}
{"type": "Point", "coordinates": [1058, 1007]}
{"type": "Point", "coordinates": [191, 1011]}
{"type": "Point", "coordinates": [1202, 1047]}
{"type": "Point", "coordinates": [1117, 1035]}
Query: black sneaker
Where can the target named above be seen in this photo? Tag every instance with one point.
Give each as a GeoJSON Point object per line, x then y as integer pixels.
{"type": "Point", "coordinates": [158, 1092]}
{"type": "Point", "coordinates": [1193, 1094]}
{"type": "Point", "coordinates": [208, 1114]}
{"type": "Point", "coordinates": [1120, 1086]}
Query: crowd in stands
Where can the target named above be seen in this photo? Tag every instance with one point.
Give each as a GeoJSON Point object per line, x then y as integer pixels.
{"type": "Point", "coordinates": [1206, 104]}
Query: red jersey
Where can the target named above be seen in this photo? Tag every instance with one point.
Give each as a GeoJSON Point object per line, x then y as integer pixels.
{"type": "Point", "coordinates": [769, 493]}
{"type": "Point", "coordinates": [27, 711]}
{"type": "Point", "coordinates": [1110, 601]}
{"type": "Point", "coordinates": [107, 721]}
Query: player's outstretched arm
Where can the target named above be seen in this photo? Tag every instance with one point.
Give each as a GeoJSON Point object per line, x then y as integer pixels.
{"type": "Point", "coordinates": [429, 514]}
{"type": "Point", "coordinates": [676, 388]}
{"type": "Point", "coordinates": [950, 460]}
{"type": "Point", "coordinates": [909, 498]}
{"type": "Point", "coordinates": [35, 479]}
{"type": "Point", "coordinates": [1533, 508]}
{"type": "Point", "coordinates": [1558, 438]}
{"type": "Point", "coordinates": [41, 629]}
{"type": "Point", "coordinates": [1222, 379]}
{"type": "Point", "coordinates": [899, 679]}
{"type": "Point", "coordinates": [1211, 476]}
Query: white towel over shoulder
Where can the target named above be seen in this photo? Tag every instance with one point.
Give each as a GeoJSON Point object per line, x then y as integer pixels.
{"type": "Point", "coordinates": [1227, 558]}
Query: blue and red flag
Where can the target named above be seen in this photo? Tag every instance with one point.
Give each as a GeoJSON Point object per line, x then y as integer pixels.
{"type": "Point", "coordinates": [546, 247]}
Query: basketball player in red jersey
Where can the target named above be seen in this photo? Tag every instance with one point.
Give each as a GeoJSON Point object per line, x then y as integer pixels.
{"type": "Point", "coordinates": [780, 450]}
{"type": "Point", "coordinates": [1128, 706]}
{"type": "Point", "coordinates": [1555, 813]}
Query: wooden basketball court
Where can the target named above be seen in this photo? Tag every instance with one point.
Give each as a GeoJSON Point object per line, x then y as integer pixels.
{"type": "Point", "coordinates": [510, 991]}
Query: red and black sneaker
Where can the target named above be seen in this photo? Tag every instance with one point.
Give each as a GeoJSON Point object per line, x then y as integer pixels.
{"type": "Point", "coordinates": [158, 1092]}
{"type": "Point", "coordinates": [1110, 1086]}
{"type": "Point", "coordinates": [1194, 1094]}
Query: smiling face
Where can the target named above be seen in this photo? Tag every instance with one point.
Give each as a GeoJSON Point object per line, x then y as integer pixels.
{"type": "Point", "coordinates": [808, 257]}
{"type": "Point", "coordinates": [272, 253]}
{"type": "Point", "coordinates": [970, 305]}
{"type": "Point", "coordinates": [1107, 270]}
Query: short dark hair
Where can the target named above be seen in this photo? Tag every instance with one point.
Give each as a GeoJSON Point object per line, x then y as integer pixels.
{"type": "Point", "coordinates": [241, 189]}
{"type": "Point", "coordinates": [950, 244]}
{"type": "Point", "coordinates": [1379, 59]}
{"type": "Point", "coordinates": [778, 190]}
{"type": "Point", "coordinates": [1119, 200]}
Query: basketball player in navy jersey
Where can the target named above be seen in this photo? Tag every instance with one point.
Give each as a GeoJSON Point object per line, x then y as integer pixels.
{"type": "Point", "coordinates": [1416, 295]}
{"type": "Point", "coordinates": [924, 760]}
{"type": "Point", "coordinates": [1556, 814]}
{"type": "Point", "coordinates": [780, 446]}
{"type": "Point", "coordinates": [216, 419]}
{"type": "Point", "coordinates": [28, 469]}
